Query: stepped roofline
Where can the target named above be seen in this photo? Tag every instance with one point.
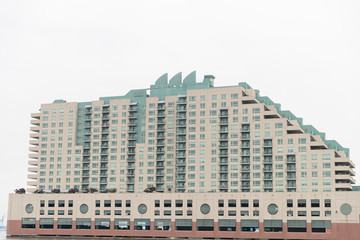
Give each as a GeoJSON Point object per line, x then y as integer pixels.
{"type": "Point", "coordinates": [178, 86]}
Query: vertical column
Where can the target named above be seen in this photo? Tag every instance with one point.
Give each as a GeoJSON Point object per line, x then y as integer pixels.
{"type": "Point", "coordinates": [160, 147]}
{"type": "Point", "coordinates": [245, 157]}
{"type": "Point", "coordinates": [86, 148]}
{"type": "Point", "coordinates": [291, 172]}
{"type": "Point", "coordinates": [223, 150]}
{"type": "Point", "coordinates": [180, 144]}
{"type": "Point", "coordinates": [131, 146]}
{"type": "Point", "coordinates": [268, 166]}
{"type": "Point", "coordinates": [104, 152]}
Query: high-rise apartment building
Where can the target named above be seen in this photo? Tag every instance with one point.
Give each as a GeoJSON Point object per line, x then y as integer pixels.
{"type": "Point", "coordinates": [187, 140]}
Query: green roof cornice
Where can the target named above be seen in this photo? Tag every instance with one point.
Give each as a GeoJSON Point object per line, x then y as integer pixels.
{"type": "Point", "coordinates": [332, 144]}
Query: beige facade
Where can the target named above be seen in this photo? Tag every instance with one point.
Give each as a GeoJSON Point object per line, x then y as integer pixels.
{"type": "Point", "coordinates": [210, 140]}
{"type": "Point", "coordinates": [219, 162]}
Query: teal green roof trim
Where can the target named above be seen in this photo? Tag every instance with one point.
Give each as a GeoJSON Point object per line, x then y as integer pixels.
{"type": "Point", "coordinates": [177, 86]}
{"type": "Point", "coordinates": [190, 79]}
{"type": "Point", "coordinates": [244, 85]}
{"type": "Point", "coordinates": [131, 94]}
{"type": "Point", "coordinates": [176, 80]}
{"type": "Point", "coordinates": [332, 144]}
{"type": "Point", "coordinates": [162, 81]}
{"type": "Point", "coordinates": [59, 101]}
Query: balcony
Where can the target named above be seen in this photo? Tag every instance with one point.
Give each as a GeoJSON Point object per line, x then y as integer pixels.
{"type": "Point", "coordinates": [245, 153]}
{"type": "Point", "coordinates": [161, 107]}
{"type": "Point", "coordinates": [105, 116]}
{"type": "Point", "coordinates": [180, 139]}
{"type": "Point", "coordinates": [181, 101]}
{"type": "Point", "coordinates": [223, 186]}
{"type": "Point", "coordinates": [131, 152]}
{"type": "Point", "coordinates": [35, 135]}
{"type": "Point", "coordinates": [159, 188]}
{"type": "Point", "coordinates": [160, 129]}
{"type": "Point", "coordinates": [180, 163]}
{"type": "Point", "coordinates": [158, 165]}
{"type": "Point", "coordinates": [291, 177]}
{"type": "Point", "coordinates": [223, 170]}
{"type": "Point", "coordinates": [33, 162]}
{"type": "Point", "coordinates": [32, 176]}
{"type": "Point", "coordinates": [161, 121]}
{"type": "Point", "coordinates": [223, 162]}
{"type": "Point", "coordinates": [35, 129]}
{"type": "Point", "coordinates": [181, 109]}
{"type": "Point", "coordinates": [160, 180]}
{"type": "Point", "coordinates": [181, 132]}
{"type": "Point", "coordinates": [33, 155]}
{"type": "Point", "coordinates": [245, 129]}
{"type": "Point", "coordinates": [181, 116]}
{"type": "Point", "coordinates": [267, 169]}
{"type": "Point", "coordinates": [223, 154]}
{"type": "Point", "coordinates": [180, 179]}
{"type": "Point", "coordinates": [132, 130]}
{"type": "Point", "coordinates": [35, 122]}
{"type": "Point", "coordinates": [34, 142]}
{"type": "Point", "coordinates": [160, 158]}
{"type": "Point", "coordinates": [133, 108]}
{"type": "Point", "coordinates": [132, 137]}
{"type": "Point", "coordinates": [245, 137]}
{"type": "Point", "coordinates": [180, 170]}
{"type": "Point", "coordinates": [245, 145]}
{"type": "Point", "coordinates": [224, 130]}
{"type": "Point", "coordinates": [222, 122]}
{"type": "Point", "coordinates": [32, 183]}
{"type": "Point", "coordinates": [223, 145]}
{"type": "Point", "coordinates": [160, 136]}
{"type": "Point", "coordinates": [160, 173]}
{"type": "Point", "coordinates": [344, 178]}
{"type": "Point", "coordinates": [103, 167]}
{"type": "Point", "coordinates": [346, 169]}
{"type": "Point", "coordinates": [245, 177]}
{"type": "Point", "coordinates": [36, 115]}
{"type": "Point", "coordinates": [132, 123]}
{"type": "Point", "coordinates": [33, 169]}
{"type": "Point", "coordinates": [104, 138]}
{"type": "Point", "coordinates": [268, 160]}
{"type": "Point", "coordinates": [291, 169]}
{"type": "Point", "coordinates": [104, 145]}
{"type": "Point", "coordinates": [180, 155]}
{"type": "Point", "coordinates": [33, 149]}
{"type": "Point", "coordinates": [290, 159]}
{"type": "Point", "coordinates": [131, 166]}
{"type": "Point", "coordinates": [268, 152]}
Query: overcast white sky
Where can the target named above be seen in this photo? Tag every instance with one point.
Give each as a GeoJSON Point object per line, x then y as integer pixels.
{"type": "Point", "coordinates": [302, 54]}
